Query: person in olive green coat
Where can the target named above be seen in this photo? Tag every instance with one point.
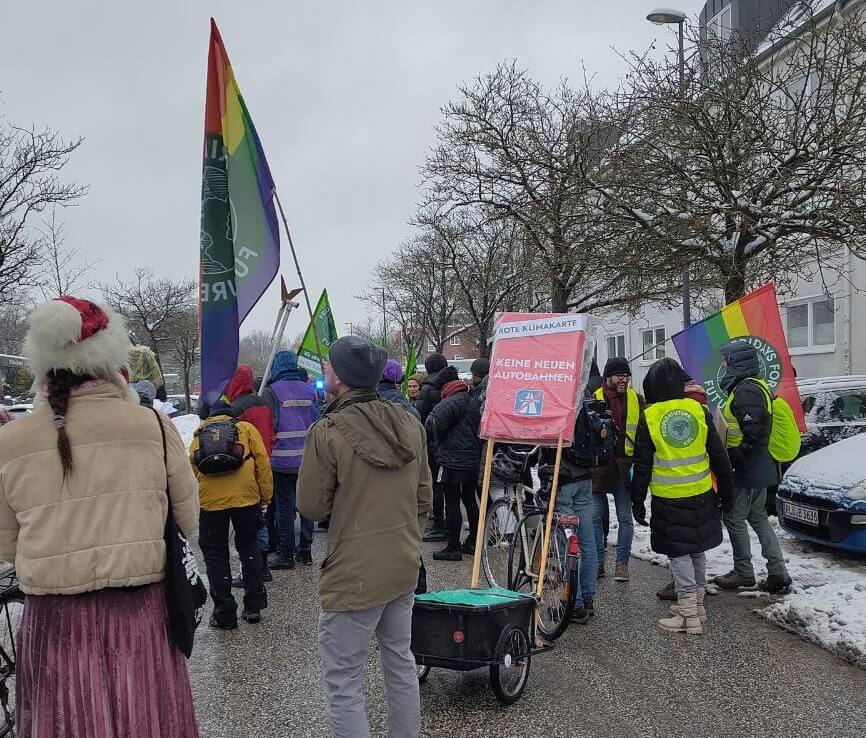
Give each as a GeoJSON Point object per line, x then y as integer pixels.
{"type": "Point", "coordinates": [365, 467]}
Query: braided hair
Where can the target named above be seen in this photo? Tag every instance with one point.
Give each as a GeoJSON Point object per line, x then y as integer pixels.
{"type": "Point", "coordinates": [61, 382]}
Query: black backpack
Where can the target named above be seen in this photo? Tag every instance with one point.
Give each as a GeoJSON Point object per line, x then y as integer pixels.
{"type": "Point", "coordinates": [595, 436]}
{"type": "Point", "coordinates": [219, 451]}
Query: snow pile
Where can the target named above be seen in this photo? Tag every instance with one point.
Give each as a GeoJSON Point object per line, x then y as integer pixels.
{"type": "Point", "coordinates": [186, 425]}
{"type": "Point", "coordinates": [827, 604]}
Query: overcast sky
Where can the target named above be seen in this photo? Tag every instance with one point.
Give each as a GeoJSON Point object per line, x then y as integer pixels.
{"type": "Point", "coordinates": [344, 96]}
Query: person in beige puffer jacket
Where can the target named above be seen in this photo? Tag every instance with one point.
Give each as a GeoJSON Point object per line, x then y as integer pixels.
{"type": "Point", "coordinates": [82, 514]}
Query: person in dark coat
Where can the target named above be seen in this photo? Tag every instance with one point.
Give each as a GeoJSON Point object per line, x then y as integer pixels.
{"type": "Point", "coordinates": [677, 448]}
{"type": "Point", "coordinates": [750, 421]}
{"type": "Point", "coordinates": [452, 428]}
{"type": "Point", "coordinates": [438, 375]}
{"type": "Point", "coordinates": [389, 388]}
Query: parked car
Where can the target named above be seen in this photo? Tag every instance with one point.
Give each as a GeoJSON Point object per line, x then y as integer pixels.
{"type": "Point", "coordinates": [835, 408]}
{"type": "Point", "coordinates": [19, 411]}
{"type": "Point", "coordinates": [463, 367]}
{"type": "Point", "coordinates": [822, 497]}
{"type": "Point", "coordinates": [178, 402]}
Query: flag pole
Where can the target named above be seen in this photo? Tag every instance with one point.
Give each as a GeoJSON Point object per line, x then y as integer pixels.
{"type": "Point", "coordinates": [301, 278]}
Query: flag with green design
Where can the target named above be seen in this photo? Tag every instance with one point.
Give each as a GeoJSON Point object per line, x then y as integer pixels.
{"type": "Point", "coordinates": [325, 329]}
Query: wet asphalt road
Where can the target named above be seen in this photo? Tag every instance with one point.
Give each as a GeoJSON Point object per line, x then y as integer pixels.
{"type": "Point", "coordinates": [619, 677]}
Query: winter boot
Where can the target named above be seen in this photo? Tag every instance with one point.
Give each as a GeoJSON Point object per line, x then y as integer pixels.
{"type": "Point", "coordinates": [732, 580]}
{"type": "Point", "coordinates": [702, 611]}
{"type": "Point", "coordinates": [251, 617]}
{"type": "Point", "coordinates": [668, 594]}
{"type": "Point", "coordinates": [449, 553]}
{"type": "Point", "coordinates": [686, 620]}
{"type": "Point", "coordinates": [283, 561]}
{"type": "Point", "coordinates": [266, 571]}
{"type": "Point", "coordinates": [601, 572]}
{"type": "Point", "coordinates": [778, 584]}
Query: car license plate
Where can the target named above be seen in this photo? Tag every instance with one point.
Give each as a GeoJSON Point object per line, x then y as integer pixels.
{"type": "Point", "coordinates": [803, 514]}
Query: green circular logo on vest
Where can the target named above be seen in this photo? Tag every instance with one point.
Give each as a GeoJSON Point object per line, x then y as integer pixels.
{"type": "Point", "coordinates": [768, 359]}
{"type": "Point", "coordinates": [679, 428]}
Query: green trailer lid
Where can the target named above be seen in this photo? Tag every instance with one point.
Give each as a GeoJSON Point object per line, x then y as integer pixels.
{"type": "Point", "coordinates": [474, 597]}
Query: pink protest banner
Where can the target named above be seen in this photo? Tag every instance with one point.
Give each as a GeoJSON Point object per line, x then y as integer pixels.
{"type": "Point", "coordinates": [540, 363]}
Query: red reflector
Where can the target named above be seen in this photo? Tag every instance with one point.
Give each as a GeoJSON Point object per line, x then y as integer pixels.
{"type": "Point", "coordinates": [458, 636]}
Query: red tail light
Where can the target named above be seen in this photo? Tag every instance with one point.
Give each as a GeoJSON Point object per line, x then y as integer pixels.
{"type": "Point", "coordinates": [573, 546]}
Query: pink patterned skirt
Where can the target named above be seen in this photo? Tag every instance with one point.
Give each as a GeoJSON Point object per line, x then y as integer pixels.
{"type": "Point", "coordinates": [101, 665]}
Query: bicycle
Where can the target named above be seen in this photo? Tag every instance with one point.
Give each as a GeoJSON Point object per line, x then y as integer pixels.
{"type": "Point", "coordinates": [12, 605]}
{"type": "Point", "coordinates": [504, 514]}
{"type": "Point", "coordinates": [559, 592]}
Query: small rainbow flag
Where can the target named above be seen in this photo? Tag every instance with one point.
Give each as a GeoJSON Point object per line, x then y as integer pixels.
{"type": "Point", "coordinates": [754, 319]}
{"type": "Point", "coordinates": [240, 240]}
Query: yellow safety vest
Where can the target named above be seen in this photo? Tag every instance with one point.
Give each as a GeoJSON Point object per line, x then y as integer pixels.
{"type": "Point", "coordinates": [735, 435]}
{"type": "Point", "coordinates": [681, 467]}
{"type": "Point", "coordinates": [632, 415]}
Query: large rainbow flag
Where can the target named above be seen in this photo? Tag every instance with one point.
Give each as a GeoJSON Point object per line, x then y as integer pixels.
{"type": "Point", "coordinates": [754, 319]}
{"type": "Point", "coordinates": [240, 240]}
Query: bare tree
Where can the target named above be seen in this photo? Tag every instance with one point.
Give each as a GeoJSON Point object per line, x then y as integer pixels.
{"type": "Point", "coordinates": [255, 349]}
{"type": "Point", "coordinates": [521, 152]}
{"type": "Point", "coordinates": [30, 165]}
{"type": "Point", "coordinates": [751, 169]}
{"type": "Point", "coordinates": [63, 269]}
{"type": "Point", "coordinates": [181, 348]}
{"type": "Point", "coordinates": [488, 262]}
{"type": "Point", "coordinates": [152, 306]}
{"type": "Point", "coordinates": [13, 327]}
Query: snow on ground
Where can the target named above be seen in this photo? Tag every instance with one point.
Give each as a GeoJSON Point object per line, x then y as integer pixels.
{"type": "Point", "coordinates": [186, 425]}
{"type": "Point", "coordinates": [827, 604]}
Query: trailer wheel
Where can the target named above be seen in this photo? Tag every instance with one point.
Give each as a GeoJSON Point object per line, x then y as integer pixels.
{"type": "Point", "coordinates": [508, 678]}
{"type": "Point", "coordinates": [423, 671]}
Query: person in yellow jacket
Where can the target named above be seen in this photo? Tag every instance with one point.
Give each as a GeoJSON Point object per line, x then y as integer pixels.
{"type": "Point", "coordinates": [235, 486]}
{"type": "Point", "coordinates": [677, 450]}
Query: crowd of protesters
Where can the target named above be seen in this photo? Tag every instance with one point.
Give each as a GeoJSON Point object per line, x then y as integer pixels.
{"type": "Point", "coordinates": [381, 469]}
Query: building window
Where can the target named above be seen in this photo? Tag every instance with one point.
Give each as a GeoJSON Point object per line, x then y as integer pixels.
{"type": "Point", "coordinates": [454, 341]}
{"type": "Point", "coordinates": [719, 26]}
{"type": "Point", "coordinates": [811, 325]}
{"type": "Point", "coordinates": [431, 347]}
{"type": "Point", "coordinates": [616, 345]}
{"type": "Point", "coordinates": [653, 343]}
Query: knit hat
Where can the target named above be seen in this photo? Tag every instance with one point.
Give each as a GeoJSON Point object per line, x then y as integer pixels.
{"type": "Point", "coordinates": [357, 362]}
{"type": "Point", "coordinates": [77, 335]}
{"type": "Point", "coordinates": [480, 368]}
{"type": "Point", "coordinates": [616, 365]}
{"type": "Point", "coordinates": [418, 377]}
{"type": "Point", "coordinates": [435, 363]}
{"type": "Point", "coordinates": [393, 371]}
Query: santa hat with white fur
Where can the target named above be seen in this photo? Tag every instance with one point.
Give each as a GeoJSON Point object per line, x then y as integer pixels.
{"type": "Point", "coordinates": [80, 336]}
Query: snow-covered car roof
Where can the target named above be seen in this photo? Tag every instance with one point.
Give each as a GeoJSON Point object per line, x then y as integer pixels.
{"type": "Point", "coordinates": [835, 472]}
{"type": "Point", "coordinates": [828, 384]}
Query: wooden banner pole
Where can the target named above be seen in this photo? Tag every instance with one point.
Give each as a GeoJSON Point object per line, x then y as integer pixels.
{"type": "Point", "coordinates": [482, 514]}
{"type": "Point", "coordinates": [549, 522]}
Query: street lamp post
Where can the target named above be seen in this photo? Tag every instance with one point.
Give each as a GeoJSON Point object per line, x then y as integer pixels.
{"type": "Point", "coordinates": [661, 17]}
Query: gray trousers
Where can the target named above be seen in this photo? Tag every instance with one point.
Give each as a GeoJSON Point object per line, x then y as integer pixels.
{"type": "Point", "coordinates": [750, 505]}
{"type": "Point", "coordinates": [344, 641]}
{"type": "Point", "coordinates": [689, 572]}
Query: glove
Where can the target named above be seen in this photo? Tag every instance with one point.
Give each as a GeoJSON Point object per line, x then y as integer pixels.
{"type": "Point", "coordinates": [638, 510]}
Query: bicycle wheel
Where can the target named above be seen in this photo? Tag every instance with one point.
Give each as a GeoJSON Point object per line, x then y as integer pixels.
{"type": "Point", "coordinates": [560, 585]}
{"type": "Point", "coordinates": [521, 577]}
{"type": "Point", "coordinates": [11, 611]}
{"type": "Point", "coordinates": [508, 678]}
{"type": "Point", "coordinates": [498, 532]}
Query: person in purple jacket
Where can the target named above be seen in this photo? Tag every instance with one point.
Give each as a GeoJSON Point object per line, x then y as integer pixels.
{"type": "Point", "coordinates": [296, 408]}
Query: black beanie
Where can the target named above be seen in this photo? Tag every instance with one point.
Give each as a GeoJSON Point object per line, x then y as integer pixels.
{"type": "Point", "coordinates": [480, 368]}
{"type": "Point", "coordinates": [435, 363]}
{"type": "Point", "coordinates": [616, 365]}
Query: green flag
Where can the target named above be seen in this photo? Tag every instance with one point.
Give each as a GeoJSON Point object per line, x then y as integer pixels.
{"type": "Point", "coordinates": [326, 332]}
{"type": "Point", "coordinates": [411, 365]}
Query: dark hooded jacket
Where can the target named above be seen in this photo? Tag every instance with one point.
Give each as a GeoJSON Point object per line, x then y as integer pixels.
{"type": "Point", "coordinates": [686, 525]}
{"type": "Point", "coordinates": [431, 391]}
{"type": "Point", "coordinates": [365, 466]}
{"type": "Point", "coordinates": [391, 392]}
{"type": "Point", "coordinates": [452, 428]}
{"type": "Point", "coordinates": [250, 407]}
{"type": "Point", "coordinates": [753, 465]}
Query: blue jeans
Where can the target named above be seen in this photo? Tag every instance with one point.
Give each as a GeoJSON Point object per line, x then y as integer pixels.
{"type": "Point", "coordinates": [625, 534]}
{"type": "Point", "coordinates": [285, 491]}
{"type": "Point", "coordinates": [575, 498]}
{"type": "Point", "coordinates": [264, 540]}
